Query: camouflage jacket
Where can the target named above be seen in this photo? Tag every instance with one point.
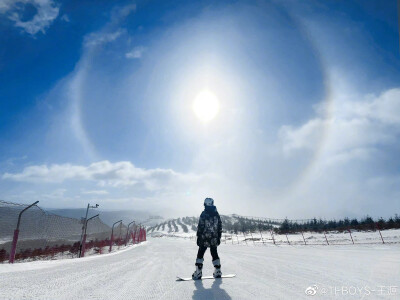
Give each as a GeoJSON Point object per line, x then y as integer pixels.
{"type": "Point", "coordinates": [210, 228]}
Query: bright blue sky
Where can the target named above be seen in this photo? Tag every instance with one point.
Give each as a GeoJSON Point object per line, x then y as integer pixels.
{"type": "Point", "coordinates": [96, 105]}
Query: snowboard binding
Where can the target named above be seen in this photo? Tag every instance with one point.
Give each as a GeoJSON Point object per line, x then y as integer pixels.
{"type": "Point", "coordinates": [217, 272]}
{"type": "Point", "coordinates": [198, 272]}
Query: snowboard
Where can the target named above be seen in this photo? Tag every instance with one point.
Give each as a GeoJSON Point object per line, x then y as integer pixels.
{"type": "Point", "coordinates": [204, 277]}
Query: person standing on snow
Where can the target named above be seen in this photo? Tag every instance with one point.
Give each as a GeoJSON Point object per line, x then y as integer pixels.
{"type": "Point", "coordinates": [209, 233]}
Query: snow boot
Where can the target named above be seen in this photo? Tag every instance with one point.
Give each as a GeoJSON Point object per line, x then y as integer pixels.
{"type": "Point", "coordinates": [217, 265]}
{"type": "Point", "coordinates": [198, 272]}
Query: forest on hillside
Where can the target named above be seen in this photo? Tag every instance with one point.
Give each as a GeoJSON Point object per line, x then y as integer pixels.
{"type": "Point", "coordinates": [238, 224]}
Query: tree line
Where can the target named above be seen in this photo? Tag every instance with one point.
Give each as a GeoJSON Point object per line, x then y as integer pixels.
{"type": "Point", "coordinates": [366, 223]}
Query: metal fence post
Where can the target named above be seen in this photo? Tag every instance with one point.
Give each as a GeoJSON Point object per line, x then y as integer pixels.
{"type": "Point", "coordinates": [326, 238]}
{"type": "Point", "coordinates": [254, 243]}
{"type": "Point", "coordinates": [127, 233]}
{"type": "Point", "coordinates": [137, 233]}
{"type": "Point", "coordinates": [245, 238]}
{"type": "Point", "coordinates": [143, 234]}
{"type": "Point", "coordinates": [305, 243]}
{"type": "Point", "coordinates": [112, 237]}
{"type": "Point", "coordinates": [377, 227]}
{"type": "Point", "coordinates": [16, 233]}
{"type": "Point", "coordinates": [13, 246]}
{"type": "Point", "coordinates": [120, 234]}
{"type": "Point", "coordinates": [262, 239]}
{"type": "Point", "coordinates": [84, 236]}
{"type": "Point", "coordinates": [83, 248]}
{"type": "Point", "coordinates": [133, 237]}
{"type": "Point", "coordinates": [84, 227]}
{"type": "Point", "coordinates": [272, 235]}
{"type": "Point", "coordinates": [287, 238]}
{"type": "Point", "coordinates": [140, 234]}
{"type": "Point", "coordinates": [350, 235]}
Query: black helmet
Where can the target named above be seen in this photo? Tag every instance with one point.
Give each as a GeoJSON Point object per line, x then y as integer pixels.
{"type": "Point", "coordinates": [209, 202]}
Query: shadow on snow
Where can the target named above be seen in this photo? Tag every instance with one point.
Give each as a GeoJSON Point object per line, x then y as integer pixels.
{"type": "Point", "coordinates": [215, 292]}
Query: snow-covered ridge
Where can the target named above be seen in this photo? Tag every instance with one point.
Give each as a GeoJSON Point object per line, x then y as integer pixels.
{"type": "Point", "coordinates": [187, 226]}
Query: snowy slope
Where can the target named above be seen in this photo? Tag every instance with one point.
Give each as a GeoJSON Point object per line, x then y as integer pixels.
{"type": "Point", "coordinates": [180, 227]}
{"type": "Point", "coordinates": [148, 271]}
{"type": "Point", "coordinates": [187, 226]}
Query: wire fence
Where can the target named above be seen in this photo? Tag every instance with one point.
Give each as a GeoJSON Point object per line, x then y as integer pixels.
{"type": "Point", "coordinates": [274, 221]}
{"type": "Point", "coordinates": [266, 238]}
{"type": "Point", "coordinates": [42, 235]}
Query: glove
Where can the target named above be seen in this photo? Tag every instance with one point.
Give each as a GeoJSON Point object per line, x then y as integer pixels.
{"type": "Point", "coordinates": [199, 241]}
{"type": "Point", "coordinates": [219, 239]}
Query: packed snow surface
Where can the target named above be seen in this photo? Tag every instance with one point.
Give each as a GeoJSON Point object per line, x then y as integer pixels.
{"type": "Point", "coordinates": [149, 270]}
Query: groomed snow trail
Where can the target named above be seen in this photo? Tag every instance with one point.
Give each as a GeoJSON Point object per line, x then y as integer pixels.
{"type": "Point", "coordinates": [148, 271]}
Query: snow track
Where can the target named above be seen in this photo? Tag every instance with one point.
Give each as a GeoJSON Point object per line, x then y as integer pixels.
{"type": "Point", "coordinates": [148, 271]}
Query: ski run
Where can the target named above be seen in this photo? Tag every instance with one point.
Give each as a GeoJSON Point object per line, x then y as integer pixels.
{"type": "Point", "coordinates": [149, 270]}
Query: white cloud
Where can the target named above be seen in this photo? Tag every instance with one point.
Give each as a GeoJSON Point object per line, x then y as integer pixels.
{"type": "Point", "coordinates": [304, 137]}
{"type": "Point", "coordinates": [58, 193]}
{"type": "Point", "coordinates": [46, 12]}
{"type": "Point", "coordinates": [6, 5]}
{"type": "Point", "coordinates": [159, 190]}
{"type": "Point", "coordinates": [65, 18]}
{"type": "Point", "coordinates": [98, 38]}
{"type": "Point", "coordinates": [354, 128]}
{"type": "Point", "coordinates": [96, 192]}
{"type": "Point", "coordinates": [111, 31]}
{"type": "Point", "coordinates": [119, 13]}
{"type": "Point", "coordinates": [104, 173]}
{"type": "Point", "coordinates": [348, 143]}
{"type": "Point", "coordinates": [136, 52]}
{"type": "Point", "coordinates": [13, 160]}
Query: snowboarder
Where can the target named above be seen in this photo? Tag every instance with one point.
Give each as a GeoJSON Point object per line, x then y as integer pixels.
{"type": "Point", "coordinates": [209, 233]}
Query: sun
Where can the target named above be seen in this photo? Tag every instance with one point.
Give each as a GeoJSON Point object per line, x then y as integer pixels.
{"type": "Point", "coordinates": [206, 106]}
